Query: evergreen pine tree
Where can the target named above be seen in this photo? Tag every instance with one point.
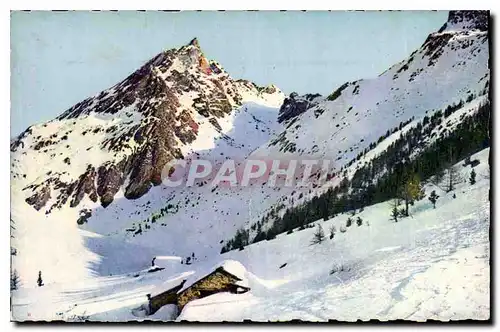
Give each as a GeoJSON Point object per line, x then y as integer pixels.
{"type": "Point", "coordinates": [394, 211]}
{"type": "Point", "coordinates": [332, 232]}
{"type": "Point", "coordinates": [39, 280]}
{"type": "Point", "coordinates": [348, 222]}
{"type": "Point", "coordinates": [433, 198]}
{"type": "Point", "coordinates": [472, 178]}
{"type": "Point", "coordinates": [359, 221]}
{"type": "Point", "coordinates": [319, 235]}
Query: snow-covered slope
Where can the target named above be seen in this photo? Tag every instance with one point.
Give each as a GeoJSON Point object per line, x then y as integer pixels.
{"type": "Point", "coordinates": [93, 202]}
{"type": "Point", "coordinates": [98, 166]}
{"type": "Point", "coordinates": [362, 118]}
{"type": "Point", "coordinates": [450, 66]}
{"type": "Point", "coordinates": [433, 265]}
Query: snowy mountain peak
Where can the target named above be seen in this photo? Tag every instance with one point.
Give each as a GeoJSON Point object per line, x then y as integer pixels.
{"type": "Point", "coordinates": [194, 42]}
{"type": "Point", "coordinates": [450, 66]}
{"type": "Point", "coordinates": [125, 135]}
{"type": "Point", "coordinates": [459, 20]}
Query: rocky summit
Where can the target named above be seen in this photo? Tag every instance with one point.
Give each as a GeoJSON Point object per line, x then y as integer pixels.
{"type": "Point", "coordinates": [125, 135]}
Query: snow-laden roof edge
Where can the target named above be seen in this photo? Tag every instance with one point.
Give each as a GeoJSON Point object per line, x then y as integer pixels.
{"type": "Point", "coordinates": [232, 267]}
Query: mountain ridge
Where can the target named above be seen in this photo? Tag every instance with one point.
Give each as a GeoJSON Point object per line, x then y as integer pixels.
{"type": "Point", "coordinates": [148, 119]}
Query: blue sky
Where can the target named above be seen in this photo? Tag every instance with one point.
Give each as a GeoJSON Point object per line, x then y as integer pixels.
{"type": "Point", "coordinates": [60, 58]}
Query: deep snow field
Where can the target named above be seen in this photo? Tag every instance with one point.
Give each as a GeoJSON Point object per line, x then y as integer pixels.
{"type": "Point", "coordinates": [431, 265]}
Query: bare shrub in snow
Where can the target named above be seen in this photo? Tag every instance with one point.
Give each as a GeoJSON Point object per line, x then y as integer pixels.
{"type": "Point", "coordinates": [450, 178]}
{"type": "Point", "coordinates": [333, 230]}
{"type": "Point", "coordinates": [79, 318]}
{"type": "Point", "coordinates": [340, 267]}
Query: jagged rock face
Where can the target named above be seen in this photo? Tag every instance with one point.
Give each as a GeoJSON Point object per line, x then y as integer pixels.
{"type": "Point", "coordinates": [131, 130]}
{"type": "Point", "coordinates": [39, 198]}
{"type": "Point", "coordinates": [467, 20]}
{"type": "Point", "coordinates": [460, 23]}
{"type": "Point", "coordinates": [295, 105]}
{"type": "Point", "coordinates": [84, 186]}
{"type": "Point", "coordinates": [109, 180]}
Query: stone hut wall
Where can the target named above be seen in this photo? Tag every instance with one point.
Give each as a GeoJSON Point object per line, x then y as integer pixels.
{"type": "Point", "coordinates": [214, 283]}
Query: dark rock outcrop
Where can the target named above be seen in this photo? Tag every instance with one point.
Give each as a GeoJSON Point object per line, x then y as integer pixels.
{"type": "Point", "coordinates": [109, 180]}
{"type": "Point", "coordinates": [85, 185]}
{"type": "Point", "coordinates": [39, 198]}
{"type": "Point", "coordinates": [85, 214]}
{"type": "Point", "coordinates": [294, 105]}
{"type": "Point", "coordinates": [459, 21]}
{"type": "Point", "coordinates": [468, 19]}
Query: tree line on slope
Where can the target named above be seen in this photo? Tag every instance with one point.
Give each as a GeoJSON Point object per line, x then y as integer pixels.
{"type": "Point", "coordinates": [396, 172]}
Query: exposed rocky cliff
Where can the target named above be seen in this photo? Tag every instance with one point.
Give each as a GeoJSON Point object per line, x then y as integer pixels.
{"type": "Point", "coordinates": [125, 135]}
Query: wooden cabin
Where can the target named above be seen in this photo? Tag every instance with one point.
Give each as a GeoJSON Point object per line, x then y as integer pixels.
{"type": "Point", "coordinates": [218, 281]}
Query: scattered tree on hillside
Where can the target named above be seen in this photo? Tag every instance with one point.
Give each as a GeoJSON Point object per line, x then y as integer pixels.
{"type": "Point", "coordinates": [348, 222]}
{"type": "Point", "coordinates": [394, 211]}
{"type": "Point", "coordinates": [239, 240]}
{"type": "Point", "coordinates": [472, 178]}
{"type": "Point", "coordinates": [319, 235]}
{"type": "Point", "coordinates": [39, 281]}
{"type": "Point", "coordinates": [384, 176]}
{"type": "Point", "coordinates": [14, 280]}
{"type": "Point", "coordinates": [412, 191]}
{"type": "Point", "coordinates": [359, 221]}
{"type": "Point", "coordinates": [333, 230]}
{"type": "Point", "coordinates": [433, 198]}
{"type": "Point", "coordinates": [452, 178]}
